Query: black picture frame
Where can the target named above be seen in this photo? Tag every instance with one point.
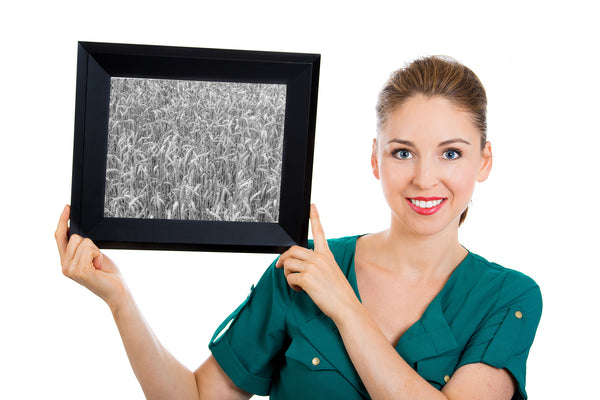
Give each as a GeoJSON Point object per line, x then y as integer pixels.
{"type": "Point", "coordinates": [97, 63]}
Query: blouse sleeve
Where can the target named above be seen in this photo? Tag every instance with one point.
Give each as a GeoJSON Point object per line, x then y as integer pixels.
{"type": "Point", "coordinates": [249, 341]}
{"type": "Point", "coordinates": [504, 338]}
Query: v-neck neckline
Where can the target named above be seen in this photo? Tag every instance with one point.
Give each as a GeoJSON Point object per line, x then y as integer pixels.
{"type": "Point", "coordinates": [433, 307]}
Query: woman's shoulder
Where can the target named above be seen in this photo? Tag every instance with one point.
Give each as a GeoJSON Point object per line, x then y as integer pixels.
{"type": "Point", "coordinates": [493, 270]}
{"type": "Point", "coordinates": [505, 283]}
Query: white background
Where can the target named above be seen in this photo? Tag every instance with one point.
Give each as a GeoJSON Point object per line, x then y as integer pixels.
{"type": "Point", "coordinates": [537, 212]}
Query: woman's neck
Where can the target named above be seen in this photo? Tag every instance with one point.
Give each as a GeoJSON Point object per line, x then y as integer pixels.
{"type": "Point", "coordinates": [418, 257]}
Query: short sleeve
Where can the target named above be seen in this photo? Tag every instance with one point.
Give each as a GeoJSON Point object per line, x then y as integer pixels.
{"type": "Point", "coordinates": [504, 338]}
{"type": "Point", "coordinates": [249, 343]}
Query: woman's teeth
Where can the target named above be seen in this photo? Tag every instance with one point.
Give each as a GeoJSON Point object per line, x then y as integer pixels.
{"type": "Point", "coordinates": [426, 204]}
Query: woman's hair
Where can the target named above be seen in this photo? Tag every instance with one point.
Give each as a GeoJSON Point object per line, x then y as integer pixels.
{"type": "Point", "coordinates": [436, 76]}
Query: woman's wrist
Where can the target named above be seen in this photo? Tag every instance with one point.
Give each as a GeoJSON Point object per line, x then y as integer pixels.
{"type": "Point", "coordinates": [120, 303]}
{"type": "Point", "coordinates": [347, 315]}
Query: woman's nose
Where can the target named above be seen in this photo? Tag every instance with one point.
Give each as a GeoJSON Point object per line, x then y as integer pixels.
{"type": "Point", "coordinates": [425, 175]}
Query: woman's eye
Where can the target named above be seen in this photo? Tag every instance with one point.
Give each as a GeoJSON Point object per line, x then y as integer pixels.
{"type": "Point", "coordinates": [403, 154]}
{"type": "Point", "coordinates": [451, 154]}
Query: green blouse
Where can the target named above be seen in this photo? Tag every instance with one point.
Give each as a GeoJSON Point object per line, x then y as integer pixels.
{"type": "Point", "coordinates": [278, 342]}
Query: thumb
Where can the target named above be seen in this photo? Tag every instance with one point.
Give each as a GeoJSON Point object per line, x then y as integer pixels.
{"type": "Point", "coordinates": [103, 263]}
{"type": "Point", "coordinates": [98, 261]}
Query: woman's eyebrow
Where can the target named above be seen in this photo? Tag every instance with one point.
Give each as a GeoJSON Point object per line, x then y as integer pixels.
{"type": "Point", "coordinates": [451, 141]}
{"type": "Point", "coordinates": [401, 141]}
{"type": "Point", "coordinates": [442, 144]}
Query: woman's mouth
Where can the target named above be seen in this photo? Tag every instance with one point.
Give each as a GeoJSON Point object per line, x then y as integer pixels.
{"type": "Point", "coordinates": [426, 206]}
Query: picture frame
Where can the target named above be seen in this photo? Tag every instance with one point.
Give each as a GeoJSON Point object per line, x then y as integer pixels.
{"type": "Point", "coordinates": [180, 148]}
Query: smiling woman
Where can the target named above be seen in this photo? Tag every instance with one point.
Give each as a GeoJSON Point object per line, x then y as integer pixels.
{"type": "Point", "coordinates": [436, 76]}
{"type": "Point", "coordinates": [404, 313]}
{"type": "Point", "coordinates": [428, 151]}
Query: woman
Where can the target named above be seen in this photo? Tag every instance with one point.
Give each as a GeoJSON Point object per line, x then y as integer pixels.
{"type": "Point", "coordinates": [401, 314]}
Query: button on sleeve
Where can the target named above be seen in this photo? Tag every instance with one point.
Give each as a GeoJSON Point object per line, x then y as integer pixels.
{"type": "Point", "coordinates": [503, 340]}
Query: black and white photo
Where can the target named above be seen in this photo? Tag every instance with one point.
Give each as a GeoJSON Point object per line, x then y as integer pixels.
{"type": "Point", "coordinates": [194, 150]}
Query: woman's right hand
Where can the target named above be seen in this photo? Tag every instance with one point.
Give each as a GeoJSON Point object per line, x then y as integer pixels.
{"type": "Point", "coordinates": [159, 373]}
{"type": "Point", "coordinates": [83, 262]}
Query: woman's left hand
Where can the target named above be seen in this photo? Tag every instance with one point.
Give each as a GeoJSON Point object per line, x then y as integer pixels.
{"type": "Point", "coordinates": [317, 273]}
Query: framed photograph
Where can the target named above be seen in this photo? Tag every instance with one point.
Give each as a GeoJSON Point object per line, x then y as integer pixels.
{"type": "Point", "coordinates": [182, 148]}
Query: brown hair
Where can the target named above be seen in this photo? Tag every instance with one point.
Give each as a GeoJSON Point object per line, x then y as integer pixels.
{"type": "Point", "coordinates": [436, 76]}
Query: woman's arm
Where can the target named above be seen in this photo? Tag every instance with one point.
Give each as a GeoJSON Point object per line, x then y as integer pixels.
{"type": "Point", "coordinates": [159, 373]}
{"type": "Point", "coordinates": [383, 371]}
{"type": "Point", "coordinates": [387, 376]}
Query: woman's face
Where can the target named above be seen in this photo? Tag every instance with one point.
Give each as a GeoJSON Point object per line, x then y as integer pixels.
{"type": "Point", "coordinates": [428, 157]}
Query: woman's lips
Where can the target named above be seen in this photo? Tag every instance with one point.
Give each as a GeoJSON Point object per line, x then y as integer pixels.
{"type": "Point", "coordinates": [426, 205]}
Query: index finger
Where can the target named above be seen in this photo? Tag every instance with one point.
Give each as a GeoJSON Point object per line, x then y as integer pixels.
{"type": "Point", "coordinates": [317, 230]}
{"type": "Point", "coordinates": [61, 231]}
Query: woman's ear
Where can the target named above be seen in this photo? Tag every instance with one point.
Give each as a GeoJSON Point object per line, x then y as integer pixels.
{"type": "Point", "coordinates": [486, 163]}
{"type": "Point", "coordinates": [374, 161]}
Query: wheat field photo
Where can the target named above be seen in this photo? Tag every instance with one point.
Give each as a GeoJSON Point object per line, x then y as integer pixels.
{"type": "Point", "coordinates": [194, 150]}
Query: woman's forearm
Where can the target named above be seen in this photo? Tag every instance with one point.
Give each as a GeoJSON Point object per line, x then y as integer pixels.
{"type": "Point", "coordinates": [160, 375]}
{"type": "Point", "coordinates": [383, 371]}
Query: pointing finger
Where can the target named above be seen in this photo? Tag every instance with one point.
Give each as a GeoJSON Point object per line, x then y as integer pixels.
{"type": "Point", "coordinates": [317, 230]}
